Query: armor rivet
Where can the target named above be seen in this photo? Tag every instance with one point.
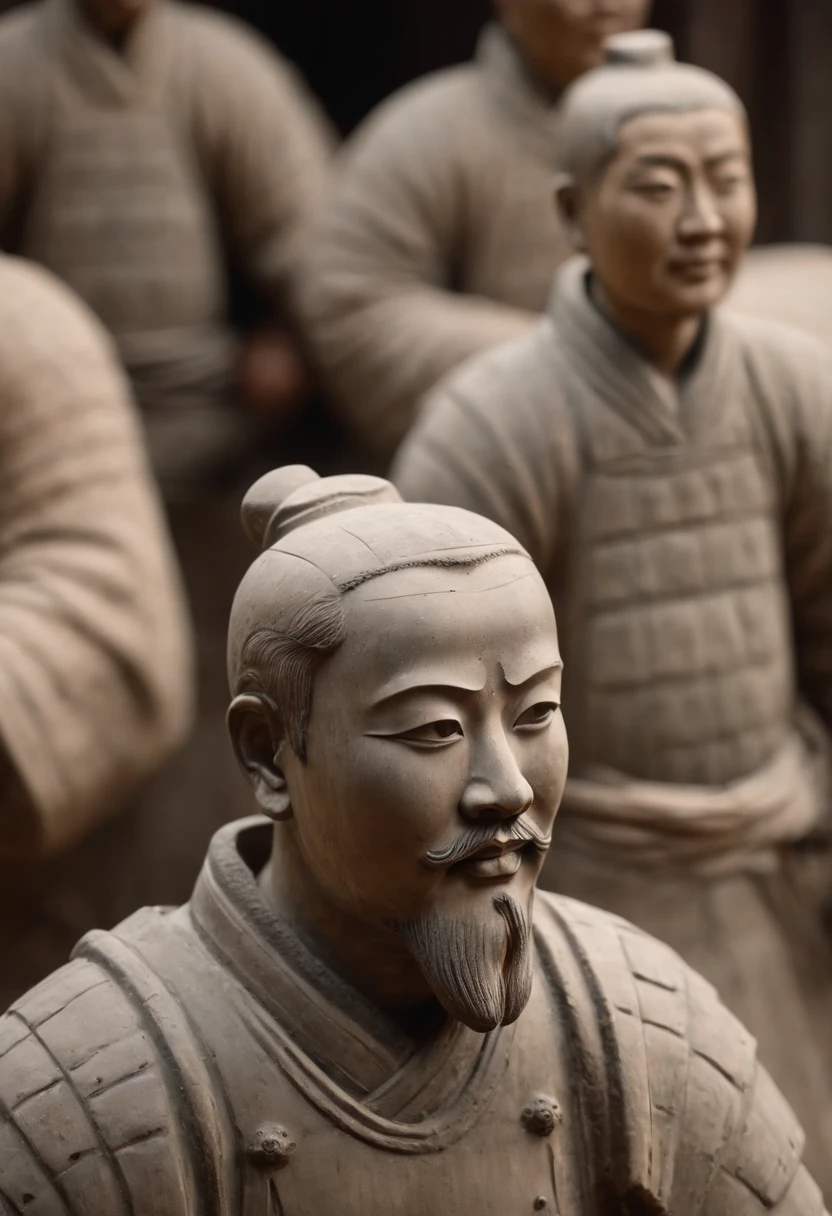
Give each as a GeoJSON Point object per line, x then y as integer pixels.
{"type": "Point", "coordinates": [272, 1147]}
{"type": "Point", "coordinates": [541, 1117]}
{"type": "Point", "coordinates": [541, 1203]}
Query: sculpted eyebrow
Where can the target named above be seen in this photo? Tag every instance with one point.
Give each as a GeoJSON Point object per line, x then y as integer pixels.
{"type": "Point", "coordinates": [536, 676]}
{"type": "Point", "coordinates": [454, 690]}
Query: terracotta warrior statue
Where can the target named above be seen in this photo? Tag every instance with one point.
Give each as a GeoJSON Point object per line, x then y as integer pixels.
{"type": "Point", "coordinates": [365, 1008]}
{"type": "Point", "coordinates": [95, 672]}
{"type": "Point", "coordinates": [143, 144]}
{"type": "Point", "coordinates": [669, 468]}
{"type": "Point", "coordinates": [441, 237]}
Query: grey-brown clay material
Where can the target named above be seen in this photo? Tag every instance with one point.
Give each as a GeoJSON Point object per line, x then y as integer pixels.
{"type": "Point", "coordinates": [133, 171]}
{"type": "Point", "coordinates": [365, 1007]}
{"type": "Point", "coordinates": [441, 237]}
{"type": "Point", "coordinates": [95, 650]}
{"type": "Point", "coordinates": [668, 465]}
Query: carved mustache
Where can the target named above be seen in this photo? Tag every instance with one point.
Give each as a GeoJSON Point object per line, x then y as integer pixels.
{"type": "Point", "coordinates": [482, 841]}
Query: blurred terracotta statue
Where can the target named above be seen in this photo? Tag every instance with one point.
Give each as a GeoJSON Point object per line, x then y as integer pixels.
{"type": "Point", "coordinates": [669, 468]}
{"type": "Point", "coordinates": [364, 1007]}
{"type": "Point", "coordinates": [441, 238]}
{"type": "Point", "coordinates": [143, 144]}
{"type": "Point", "coordinates": [94, 645]}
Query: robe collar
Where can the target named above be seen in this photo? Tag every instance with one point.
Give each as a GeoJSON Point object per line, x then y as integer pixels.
{"type": "Point", "coordinates": [529, 105]}
{"type": "Point", "coordinates": [665, 411]}
{"type": "Point", "coordinates": [133, 75]}
{"type": "Point", "coordinates": [335, 1045]}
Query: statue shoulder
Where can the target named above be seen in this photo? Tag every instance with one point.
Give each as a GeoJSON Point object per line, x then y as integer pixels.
{"type": "Point", "coordinates": [97, 1071]}
{"type": "Point", "coordinates": [687, 1109]}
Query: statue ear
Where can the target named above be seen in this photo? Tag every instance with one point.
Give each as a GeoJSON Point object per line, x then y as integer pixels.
{"type": "Point", "coordinates": [567, 205]}
{"type": "Point", "coordinates": [257, 737]}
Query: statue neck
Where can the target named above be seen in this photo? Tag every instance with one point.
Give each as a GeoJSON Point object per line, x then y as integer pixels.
{"type": "Point", "coordinates": [664, 341]}
{"type": "Point", "coordinates": [373, 959]}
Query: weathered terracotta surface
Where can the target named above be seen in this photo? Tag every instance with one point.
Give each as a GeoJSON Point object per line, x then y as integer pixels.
{"type": "Point", "coordinates": [142, 146]}
{"type": "Point", "coordinates": [365, 1008]}
{"type": "Point", "coordinates": [95, 649]}
{"type": "Point", "coordinates": [668, 465]}
{"type": "Point", "coordinates": [441, 237]}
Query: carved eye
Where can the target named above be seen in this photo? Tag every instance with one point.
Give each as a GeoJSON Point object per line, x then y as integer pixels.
{"type": "Point", "coordinates": [537, 716]}
{"type": "Point", "coordinates": [656, 191]}
{"type": "Point", "coordinates": [434, 734]}
{"type": "Point", "coordinates": [727, 183]}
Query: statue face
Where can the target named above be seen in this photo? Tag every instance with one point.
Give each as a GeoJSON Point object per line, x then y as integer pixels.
{"type": "Point", "coordinates": [667, 222]}
{"type": "Point", "coordinates": [115, 17]}
{"type": "Point", "coordinates": [436, 758]}
{"type": "Point", "coordinates": [562, 39]}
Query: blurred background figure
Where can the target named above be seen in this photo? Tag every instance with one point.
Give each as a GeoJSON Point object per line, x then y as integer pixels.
{"type": "Point", "coordinates": [442, 236]}
{"type": "Point", "coordinates": [95, 651]}
{"type": "Point", "coordinates": [166, 164]}
{"type": "Point", "coordinates": [145, 145]}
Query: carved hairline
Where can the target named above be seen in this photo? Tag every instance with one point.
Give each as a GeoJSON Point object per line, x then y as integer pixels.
{"type": "Point", "coordinates": [294, 658]}
{"type": "Point", "coordinates": [611, 138]}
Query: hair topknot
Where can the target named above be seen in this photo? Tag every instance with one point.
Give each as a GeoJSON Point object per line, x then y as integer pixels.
{"type": "Point", "coordinates": [295, 495]}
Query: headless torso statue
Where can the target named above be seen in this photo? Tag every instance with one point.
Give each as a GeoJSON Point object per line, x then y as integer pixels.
{"type": "Point", "coordinates": [426, 254]}
{"type": "Point", "coordinates": [668, 467]}
{"type": "Point", "coordinates": [365, 1008]}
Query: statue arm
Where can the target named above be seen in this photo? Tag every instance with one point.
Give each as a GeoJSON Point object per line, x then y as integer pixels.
{"type": "Point", "coordinates": [379, 310]}
{"type": "Point", "coordinates": [94, 647]}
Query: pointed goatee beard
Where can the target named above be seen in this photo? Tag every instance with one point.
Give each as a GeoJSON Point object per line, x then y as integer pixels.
{"type": "Point", "coordinates": [480, 970]}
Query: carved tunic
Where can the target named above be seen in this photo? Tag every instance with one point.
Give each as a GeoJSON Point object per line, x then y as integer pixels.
{"type": "Point", "coordinates": [684, 536]}
{"type": "Point", "coordinates": [201, 1061]}
{"type": "Point", "coordinates": [95, 663]}
{"type": "Point", "coordinates": [441, 239]}
{"type": "Point", "coordinates": [128, 174]}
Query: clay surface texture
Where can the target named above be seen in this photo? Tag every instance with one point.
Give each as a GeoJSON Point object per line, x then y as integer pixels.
{"type": "Point", "coordinates": [366, 1007]}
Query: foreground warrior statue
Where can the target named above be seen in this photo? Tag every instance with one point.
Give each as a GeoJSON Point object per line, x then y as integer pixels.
{"type": "Point", "coordinates": [365, 1008]}
{"type": "Point", "coordinates": [141, 141]}
{"type": "Point", "coordinates": [441, 239]}
{"type": "Point", "coordinates": [94, 648]}
{"type": "Point", "coordinates": [669, 469]}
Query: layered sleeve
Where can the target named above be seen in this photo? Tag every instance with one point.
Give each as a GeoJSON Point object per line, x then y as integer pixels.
{"type": "Point", "coordinates": [95, 659]}
{"type": "Point", "coordinates": [266, 148]}
{"type": "Point", "coordinates": [495, 438]}
{"type": "Point", "coordinates": [381, 315]}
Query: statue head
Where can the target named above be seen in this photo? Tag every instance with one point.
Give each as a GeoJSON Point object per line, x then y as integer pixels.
{"type": "Point", "coordinates": [396, 682]}
{"type": "Point", "coordinates": [114, 18]}
{"type": "Point", "coordinates": [655, 179]}
{"type": "Point", "coordinates": [561, 39]}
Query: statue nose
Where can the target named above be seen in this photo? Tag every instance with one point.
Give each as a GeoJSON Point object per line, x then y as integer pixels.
{"type": "Point", "coordinates": [501, 793]}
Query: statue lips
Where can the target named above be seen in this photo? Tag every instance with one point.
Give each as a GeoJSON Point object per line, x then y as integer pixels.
{"type": "Point", "coordinates": [491, 853]}
{"type": "Point", "coordinates": [494, 861]}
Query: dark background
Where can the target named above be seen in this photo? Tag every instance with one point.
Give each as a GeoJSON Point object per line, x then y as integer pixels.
{"type": "Point", "coordinates": [776, 53]}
